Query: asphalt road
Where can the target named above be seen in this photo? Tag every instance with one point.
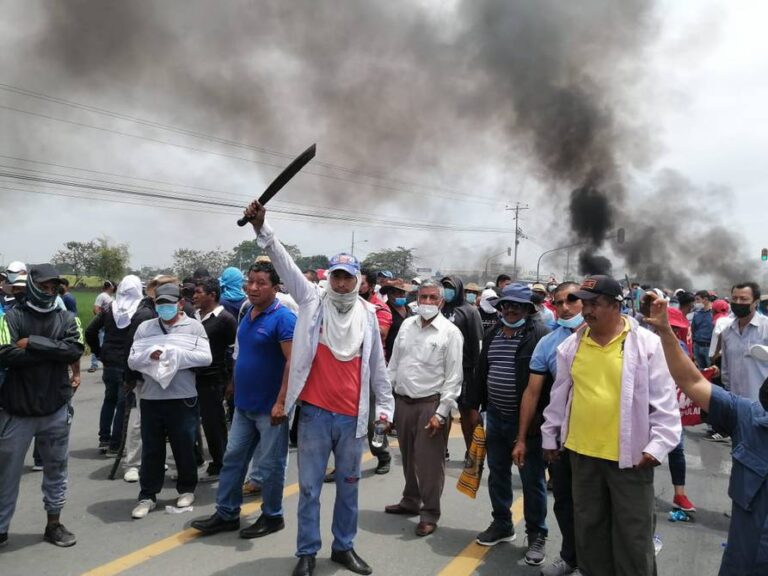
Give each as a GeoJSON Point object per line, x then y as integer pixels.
{"type": "Point", "coordinates": [98, 511]}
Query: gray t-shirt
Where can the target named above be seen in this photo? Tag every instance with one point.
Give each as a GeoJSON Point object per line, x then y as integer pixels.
{"type": "Point", "coordinates": [183, 383]}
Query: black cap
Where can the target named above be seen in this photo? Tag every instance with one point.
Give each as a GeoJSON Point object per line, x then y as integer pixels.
{"type": "Point", "coordinates": [43, 273]}
{"type": "Point", "coordinates": [598, 285]}
{"type": "Point", "coordinates": [167, 293]}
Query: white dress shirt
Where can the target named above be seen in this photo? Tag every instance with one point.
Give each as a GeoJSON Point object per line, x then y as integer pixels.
{"type": "Point", "coordinates": [427, 360]}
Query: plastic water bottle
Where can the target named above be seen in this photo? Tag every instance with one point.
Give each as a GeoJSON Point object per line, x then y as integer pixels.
{"type": "Point", "coordinates": [379, 431]}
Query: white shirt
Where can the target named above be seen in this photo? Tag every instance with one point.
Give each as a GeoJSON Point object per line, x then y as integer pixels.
{"type": "Point", "coordinates": [742, 373]}
{"type": "Point", "coordinates": [427, 360]}
{"type": "Point", "coordinates": [720, 325]}
{"type": "Point", "coordinates": [215, 312]}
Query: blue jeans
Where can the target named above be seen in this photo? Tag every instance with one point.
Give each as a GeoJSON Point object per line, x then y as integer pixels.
{"type": "Point", "coordinates": [113, 407]}
{"type": "Point", "coordinates": [677, 464]}
{"type": "Point", "coordinates": [701, 355]}
{"type": "Point", "coordinates": [250, 429]}
{"type": "Point", "coordinates": [320, 433]}
{"type": "Point", "coordinates": [500, 434]}
{"type": "Point", "coordinates": [94, 360]}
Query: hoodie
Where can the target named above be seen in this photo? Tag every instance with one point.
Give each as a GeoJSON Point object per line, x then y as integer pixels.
{"type": "Point", "coordinates": [466, 318]}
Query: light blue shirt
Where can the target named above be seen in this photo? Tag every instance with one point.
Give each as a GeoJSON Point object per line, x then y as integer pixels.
{"type": "Point", "coordinates": [742, 373]}
{"type": "Point", "coordinates": [544, 357]}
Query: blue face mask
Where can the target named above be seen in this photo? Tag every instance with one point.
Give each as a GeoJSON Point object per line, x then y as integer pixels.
{"type": "Point", "coordinates": [517, 324]}
{"type": "Point", "coordinates": [471, 298]}
{"type": "Point", "coordinates": [167, 311]}
{"type": "Point", "coordinates": [399, 302]}
{"type": "Point", "coordinates": [571, 323]}
{"type": "Point", "coordinates": [449, 294]}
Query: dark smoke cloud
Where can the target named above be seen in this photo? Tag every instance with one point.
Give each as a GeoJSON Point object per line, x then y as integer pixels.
{"type": "Point", "coordinates": [407, 89]}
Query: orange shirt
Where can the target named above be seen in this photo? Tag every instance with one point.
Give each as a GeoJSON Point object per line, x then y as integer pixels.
{"type": "Point", "coordinates": [333, 385]}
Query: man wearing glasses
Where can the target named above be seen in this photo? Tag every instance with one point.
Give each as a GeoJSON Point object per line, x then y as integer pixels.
{"type": "Point", "coordinates": [501, 378]}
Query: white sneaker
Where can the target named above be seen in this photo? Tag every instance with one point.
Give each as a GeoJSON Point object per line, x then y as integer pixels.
{"type": "Point", "coordinates": [144, 507]}
{"type": "Point", "coordinates": [131, 475]}
{"type": "Point", "coordinates": [185, 500]}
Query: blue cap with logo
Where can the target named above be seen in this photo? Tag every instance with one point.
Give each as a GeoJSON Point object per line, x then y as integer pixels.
{"type": "Point", "coordinates": [346, 262]}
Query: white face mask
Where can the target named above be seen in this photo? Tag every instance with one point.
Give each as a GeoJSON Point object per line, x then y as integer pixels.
{"type": "Point", "coordinates": [428, 311]}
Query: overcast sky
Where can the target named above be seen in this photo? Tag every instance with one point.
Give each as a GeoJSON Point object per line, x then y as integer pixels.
{"type": "Point", "coordinates": [354, 81]}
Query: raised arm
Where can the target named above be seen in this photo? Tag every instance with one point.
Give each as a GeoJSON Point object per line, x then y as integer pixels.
{"type": "Point", "coordinates": [683, 371]}
{"type": "Point", "coordinates": [291, 276]}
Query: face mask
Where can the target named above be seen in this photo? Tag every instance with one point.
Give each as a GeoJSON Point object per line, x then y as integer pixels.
{"type": "Point", "coordinates": [741, 310]}
{"type": "Point", "coordinates": [698, 306]}
{"type": "Point", "coordinates": [167, 311]}
{"type": "Point", "coordinates": [517, 324]}
{"type": "Point", "coordinates": [571, 323]}
{"type": "Point", "coordinates": [450, 294]}
{"type": "Point", "coordinates": [343, 303]}
{"type": "Point", "coordinates": [399, 302]}
{"type": "Point", "coordinates": [38, 299]}
{"type": "Point", "coordinates": [471, 298]}
{"type": "Point", "coordinates": [428, 311]}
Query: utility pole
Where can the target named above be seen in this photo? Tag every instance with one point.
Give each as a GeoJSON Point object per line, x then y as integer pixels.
{"type": "Point", "coordinates": [352, 251]}
{"type": "Point", "coordinates": [518, 233]}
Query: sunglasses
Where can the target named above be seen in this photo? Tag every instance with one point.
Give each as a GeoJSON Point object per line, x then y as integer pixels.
{"type": "Point", "coordinates": [511, 306]}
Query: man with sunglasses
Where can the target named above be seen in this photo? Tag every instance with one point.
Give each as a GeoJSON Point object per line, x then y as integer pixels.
{"type": "Point", "coordinates": [613, 406]}
{"type": "Point", "coordinates": [501, 379]}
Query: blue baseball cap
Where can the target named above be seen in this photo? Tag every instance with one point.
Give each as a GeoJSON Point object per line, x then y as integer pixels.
{"type": "Point", "coordinates": [346, 262]}
{"type": "Point", "coordinates": [516, 292]}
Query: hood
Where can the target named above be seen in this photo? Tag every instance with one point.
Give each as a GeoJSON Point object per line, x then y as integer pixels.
{"type": "Point", "coordinates": [460, 299]}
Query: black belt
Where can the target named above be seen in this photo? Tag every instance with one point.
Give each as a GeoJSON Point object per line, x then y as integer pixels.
{"type": "Point", "coordinates": [423, 400]}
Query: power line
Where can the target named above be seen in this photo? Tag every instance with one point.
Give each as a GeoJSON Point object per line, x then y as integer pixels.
{"type": "Point", "coordinates": [475, 199]}
{"type": "Point", "coordinates": [219, 140]}
{"type": "Point", "coordinates": [341, 217]}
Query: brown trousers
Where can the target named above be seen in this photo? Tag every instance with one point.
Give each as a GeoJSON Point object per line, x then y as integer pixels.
{"type": "Point", "coordinates": [423, 457]}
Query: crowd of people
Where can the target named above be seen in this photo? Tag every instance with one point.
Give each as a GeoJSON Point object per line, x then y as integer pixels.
{"type": "Point", "coordinates": [578, 384]}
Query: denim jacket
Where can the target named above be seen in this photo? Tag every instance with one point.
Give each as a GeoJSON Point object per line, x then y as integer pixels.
{"type": "Point", "coordinates": [306, 336]}
{"type": "Point", "coordinates": [650, 416]}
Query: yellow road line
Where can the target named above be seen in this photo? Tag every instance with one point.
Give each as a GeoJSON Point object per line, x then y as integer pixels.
{"type": "Point", "coordinates": [180, 538]}
{"type": "Point", "coordinates": [470, 558]}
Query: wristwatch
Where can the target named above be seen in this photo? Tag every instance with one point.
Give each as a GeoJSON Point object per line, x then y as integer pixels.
{"type": "Point", "coordinates": [440, 418]}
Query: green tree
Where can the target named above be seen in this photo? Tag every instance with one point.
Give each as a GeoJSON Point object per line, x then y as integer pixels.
{"type": "Point", "coordinates": [78, 257]}
{"type": "Point", "coordinates": [398, 261]}
{"type": "Point", "coordinates": [245, 254]}
{"type": "Point", "coordinates": [312, 262]}
{"type": "Point", "coordinates": [110, 260]}
{"type": "Point", "coordinates": [186, 261]}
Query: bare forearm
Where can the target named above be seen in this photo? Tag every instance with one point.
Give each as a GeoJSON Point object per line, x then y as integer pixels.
{"type": "Point", "coordinates": [684, 371]}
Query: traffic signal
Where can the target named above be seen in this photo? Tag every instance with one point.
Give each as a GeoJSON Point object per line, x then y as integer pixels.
{"type": "Point", "coordinates": [764, 255]}
{"type": "Point", "coordinates": [509, 251]}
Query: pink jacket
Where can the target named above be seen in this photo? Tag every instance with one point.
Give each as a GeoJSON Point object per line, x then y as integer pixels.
{"type": "Point", "coordinates": [650, 417]}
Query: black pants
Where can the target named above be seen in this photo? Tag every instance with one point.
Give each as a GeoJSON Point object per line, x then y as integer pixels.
{"type": "Point", "coordinates": [210, 393]}
{"type": "Point", "coordinates": [560, 473]}
{"type": "Point", "coordinates": [176, 419]}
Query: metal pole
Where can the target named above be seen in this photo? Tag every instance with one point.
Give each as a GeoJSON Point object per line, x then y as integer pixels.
{"type": "Point", "coordinates": [352, 250]}
{"type": "Point", "coordinates": [567, 265]}
{"type": "Point", "coordinates": [517, 240]}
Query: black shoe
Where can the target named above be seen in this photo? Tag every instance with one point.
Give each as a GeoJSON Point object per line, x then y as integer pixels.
{"type": "Point", "coordinates": [58, 535]}
{"type": "Point", "coordinates": [213, 469]}
{"type": "Point", "coordinates": [351, 561]}
{"type": "Point", "coordinates": [103, 445]}
{"type": "Point", "coordinates": [305, 566]}
{"type": "Point", "coordinates": [330, 477]}
{"type": "Point", "coordinates": [382, 467]}
{"type": "Point", "coordinates": [3, 539]}
{"type": "Point", "coordinates": [495, 534]}
{"type": "Point", "coordinates": [263, 526]}
{"type": "Point", "coordinates": [215, 524]}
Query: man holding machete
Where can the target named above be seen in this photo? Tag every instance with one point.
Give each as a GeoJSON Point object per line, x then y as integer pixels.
{"type": "Point", "coordinates": [337, 359]}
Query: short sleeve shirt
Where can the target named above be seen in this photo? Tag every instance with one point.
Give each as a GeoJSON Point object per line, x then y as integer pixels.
{"type": "Point", "coordinates": [544, 357]}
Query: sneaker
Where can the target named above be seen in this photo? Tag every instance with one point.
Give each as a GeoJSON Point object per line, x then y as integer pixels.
{"type": "Point", "coordinates": [103, 445]}
{"type": "Point", "coordinates": [495, 534]}
{"type": "Point", "coordinates": [184, 500]}
{"type": "Point", "coordinates": [131, 475]}
{"type": "Point", "coordinates": [112, 452]}
{"type": "Point", "coordinates": [37, 468]}
{"type": "Point", "coordinates": [559, 568]}
{"type": "Point", "coordinates": [57, 535]}
{"type": "Point", "coordinates": [681, 501]}
{"type": "Point", "coordinates": [382, 467]}
{"type": "Point", "coordinates": [251, 489]}
{"type": "Point", "coordinates": [535, 554]}
{"type": "Point", "coordinates": [144, 507]}
{"type": "Point", "coordinates": [657, 544]}
{"type": "Point", "coordinates": [3, 539]}
{"type": "Point", "coordinates": [716, 437]}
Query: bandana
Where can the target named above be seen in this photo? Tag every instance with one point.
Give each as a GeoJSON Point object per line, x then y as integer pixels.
{"type": "Point", "coordinates": [231, 282]}
{"type": "Point", "coordinates": [38, 300]}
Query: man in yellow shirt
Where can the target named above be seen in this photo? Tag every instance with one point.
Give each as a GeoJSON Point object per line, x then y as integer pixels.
{"type": "Point", "coordinates": [613, 411]}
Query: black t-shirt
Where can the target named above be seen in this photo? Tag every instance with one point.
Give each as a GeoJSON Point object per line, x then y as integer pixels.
{"type": "Point", "coordinates": [397, 321]}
